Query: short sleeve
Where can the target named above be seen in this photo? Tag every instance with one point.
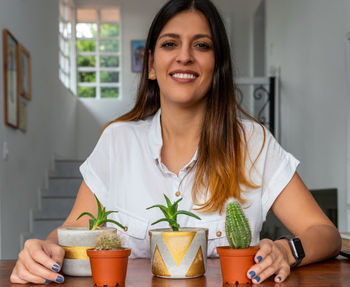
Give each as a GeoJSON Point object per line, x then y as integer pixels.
{"type": "Point", "coordinates": [278, 169]}
{"type": "Point", "coordinates": [95, 170]}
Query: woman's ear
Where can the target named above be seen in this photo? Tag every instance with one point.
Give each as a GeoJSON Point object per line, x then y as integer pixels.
{"type": "Point", "coordinates": [151, 71]}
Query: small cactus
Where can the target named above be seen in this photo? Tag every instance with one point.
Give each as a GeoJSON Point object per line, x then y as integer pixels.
{"type": "Point", "coordinates": [237, 226]}
{"type": "Point", "coordinates": [108, 240]}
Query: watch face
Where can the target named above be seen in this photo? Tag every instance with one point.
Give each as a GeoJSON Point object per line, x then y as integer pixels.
{"type": "Point", "coordinates": [298, 248]}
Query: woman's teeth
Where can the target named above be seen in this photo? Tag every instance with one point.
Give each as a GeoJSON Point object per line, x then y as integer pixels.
{"type": "Point", "coordinates": [184, 76]}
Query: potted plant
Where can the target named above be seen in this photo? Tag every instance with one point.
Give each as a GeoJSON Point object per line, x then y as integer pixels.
{"type": "Point", "coordinates": [177, 252]}
{"type": "Point", "coordinates": [109, 260]}
{"type": "Point", "coordinates": [76, 240]}
{"type": "Point", "coordinates": [236, 259]}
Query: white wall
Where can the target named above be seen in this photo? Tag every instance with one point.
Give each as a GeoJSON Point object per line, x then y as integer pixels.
{"type": "Point", "coordinates": [306, 39]}
{"type": "Point", "coordinates": [93, 115]}
{"type": "Point", "coordinates": [51, 118]}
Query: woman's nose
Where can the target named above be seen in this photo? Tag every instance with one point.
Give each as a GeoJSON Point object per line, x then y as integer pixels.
{"type": "Point", "coordinates": [185, 55]}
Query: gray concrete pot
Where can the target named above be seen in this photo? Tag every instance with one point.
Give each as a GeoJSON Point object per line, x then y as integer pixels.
{"type": "Point", "coordinates": [179, 254]}
{"type": "Point", "coordinates": [75, 241]}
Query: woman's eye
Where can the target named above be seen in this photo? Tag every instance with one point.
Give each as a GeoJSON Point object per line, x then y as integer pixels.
{"type": "Point", "coordinates": [203, 46]}
{"type": "Point", "coordinates": [168, 45]}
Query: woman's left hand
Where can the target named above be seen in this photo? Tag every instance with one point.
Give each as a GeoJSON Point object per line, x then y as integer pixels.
{"type": "Point", "coordinates": [272, 258]}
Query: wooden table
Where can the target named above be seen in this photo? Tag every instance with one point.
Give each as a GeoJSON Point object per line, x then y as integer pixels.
{"type": "Point", "coordinates": [331, 273]}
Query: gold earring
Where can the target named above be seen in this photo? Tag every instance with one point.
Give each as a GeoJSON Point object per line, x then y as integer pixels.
{"type": "Point", "coordinates": [152, 75]}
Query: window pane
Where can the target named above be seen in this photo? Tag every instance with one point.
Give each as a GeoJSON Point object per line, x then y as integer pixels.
{"type": "Point", "coordinates": [86, 30]}
{"type": "Point", "coordinates": [109, 45]}
{"type": "Point", "coordinates": [86, 77]}
{"type": "Point", "coordinates": [109, 30]}
{"type": "Point", "coordinates": [86, 45]}
{"type": "Point", "coordinates": [109, 77]}
{"type": "Point", "coordinates": [87, 92]}
{"type": "Point", "coordinates": [86, 15]}
{"type": "Point", "coordinates": [109, 61]}
{"type": "Point", "coordinates": [110, 15]}
{"type": "Point", "coordinates": [86, 61]}
{"type": "Point", "coordinates": [109, 93]}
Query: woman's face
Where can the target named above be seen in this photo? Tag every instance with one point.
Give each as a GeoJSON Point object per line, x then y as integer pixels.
{"type": "Point", "coordinates": [183, 60]}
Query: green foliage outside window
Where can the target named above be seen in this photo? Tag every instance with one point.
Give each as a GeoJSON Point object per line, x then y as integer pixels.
{"type": "Point", "coordinates": [109, 77]}
{"type": "Point", "coordinates": [109, 61]}
{"type": "Point", "coordinates": [109, 46]}
{"type": "Point", "coordinates": [86, 92]}
{"type": "Point", "coordinates": [87, 77]}
{"type": "Point", "coordinates": [86, 45]}
{"type": "Point", "coordinates": [109, 93]}
{"type": "Point", "coordinates": [86, 61]}
{"type": "Point", "coordinates": [109, 30]}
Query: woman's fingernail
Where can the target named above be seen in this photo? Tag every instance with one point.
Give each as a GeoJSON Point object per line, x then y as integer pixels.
{"type": "Point", "coordinates": [257, 278]}
{"type": "Point", "coordinates": [279, 278]}
{"type": "Point", "coordinates": [59, 279]}
{"type": "Point", "coordinates": [55, 267]}
{"type": "Point", "coordinates": [47, 281]}
{"type": "Point", "coordinates": [251, 274]}
{"type": "Point", "coordinates": [259, 258]}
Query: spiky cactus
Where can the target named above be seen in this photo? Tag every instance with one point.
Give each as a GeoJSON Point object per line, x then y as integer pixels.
{"type": "Point", "coordinates": [108, 240]}
{"type": "Point", "coordinates": [237, 226]}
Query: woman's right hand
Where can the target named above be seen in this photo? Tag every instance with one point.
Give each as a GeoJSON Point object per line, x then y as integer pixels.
{"type": "Point", "coordinates": [39, 262]}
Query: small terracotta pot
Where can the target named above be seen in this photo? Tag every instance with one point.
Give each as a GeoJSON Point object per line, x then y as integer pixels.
{"type": "Point", "coordinates": [109, 267]}
{"type": "Point", "coordinates": [235, 264]}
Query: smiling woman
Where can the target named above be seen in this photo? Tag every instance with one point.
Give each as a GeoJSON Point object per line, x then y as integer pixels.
{"type": "Point", "coordinates": [185, 138]}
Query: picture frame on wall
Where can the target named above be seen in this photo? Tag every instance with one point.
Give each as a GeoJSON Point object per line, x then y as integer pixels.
{"type": "Point", "coordinates": [22, 125]}
{"type": "Point", "coordinates": [24, 72]}
{"type": "Point", "coordinates": [137, 52]}
{"type": "Point", "coordinates": [11, 95]}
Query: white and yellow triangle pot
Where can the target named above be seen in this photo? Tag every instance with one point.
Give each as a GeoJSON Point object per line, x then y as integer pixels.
{"type": "Point", "coordinates": [179, 254]}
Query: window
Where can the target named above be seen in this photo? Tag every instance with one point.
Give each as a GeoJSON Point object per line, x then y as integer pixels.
{"type": "Point", "coordinates": [96, 52]}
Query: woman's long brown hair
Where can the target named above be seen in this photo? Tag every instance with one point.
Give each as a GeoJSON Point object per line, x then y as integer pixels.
{"type": "Point", "coordinates": [220, 167]}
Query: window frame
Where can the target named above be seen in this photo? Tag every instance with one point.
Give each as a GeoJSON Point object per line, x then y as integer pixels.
{"type": "Point", "coordinates": [74, 54]}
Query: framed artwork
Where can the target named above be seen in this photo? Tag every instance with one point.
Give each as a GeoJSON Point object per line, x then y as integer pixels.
{"type": "Point", "coordinates": [24, 73]}
{"type": "Point", "coordinates": [22, 114]}
{"type": "Point", "coordinates": [11, 95]}
{"type": "Point", "coordinates": [137, 52]}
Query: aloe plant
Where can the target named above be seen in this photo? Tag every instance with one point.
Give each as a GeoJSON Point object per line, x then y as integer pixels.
{"type": "Point", "coordinates": [96, 222]}
{"type": "Point", "coordinates": [170, 212]}
{"type": "Point", "coordinates": [237, 226]}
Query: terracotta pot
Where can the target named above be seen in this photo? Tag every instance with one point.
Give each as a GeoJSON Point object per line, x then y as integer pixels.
{"type": "Point", "coordinates": [75, 241]}
{"type": "Point", "coordinates": [235, 264]}
{"type": "Point", "coordinates": [109, 266]}
{"type": "Point", "coordinates": [179, 254]}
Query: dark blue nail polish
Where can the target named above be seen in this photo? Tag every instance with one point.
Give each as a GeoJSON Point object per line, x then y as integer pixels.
{"type": "Point", "coordinates": [55, 267]}
{"type": "Point", "coordinates": [257, 278]}
{"type": "Point", "coordinates": [59, 279]}
{"type": "Point", "coordinates": [47, 281]}
{"type": "Point", "coordinates": [279, 278]}
{"type": "Point", "coordinates": [259, 258]}
{"type": "Point", "coordinates": [251, 274]}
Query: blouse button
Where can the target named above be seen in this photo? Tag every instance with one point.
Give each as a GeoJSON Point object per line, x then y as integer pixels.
{"type": "Point", "coordinates": [218, 233]}
{"type": "Point", "coordinates": [125, 228]}
{"type": "Point", "coordinates": [178, 193]}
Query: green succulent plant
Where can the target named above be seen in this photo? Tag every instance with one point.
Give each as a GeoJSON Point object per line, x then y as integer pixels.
{"type": "Point", "coordinates": [237, 226]}
{"type": "Point", "coordinates": [108, 240]}
{"type": "Point", "coordinates": [96, 222]}
{"type": "Point", "coordinates": [170, 212]}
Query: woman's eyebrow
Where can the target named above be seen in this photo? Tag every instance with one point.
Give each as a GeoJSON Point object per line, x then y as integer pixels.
{"type": "Point", "coordinates": [176, 36]}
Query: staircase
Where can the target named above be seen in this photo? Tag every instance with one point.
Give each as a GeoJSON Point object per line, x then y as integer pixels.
{"type": "Point", "coordinates": [55, 202]}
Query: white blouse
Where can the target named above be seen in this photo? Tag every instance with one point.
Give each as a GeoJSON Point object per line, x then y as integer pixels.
{"type": "Point", "coordinates": [126, 173]}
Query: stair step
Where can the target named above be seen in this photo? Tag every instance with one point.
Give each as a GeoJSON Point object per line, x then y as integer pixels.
{"type": "Point", "coordinates": [54, 208]}
{"type": "Point", "coordinates": [67, 168]}
{"type": "Point", "coordinates": [42, 228]}
{"type": "Point", "coordinates": [64, 186]}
